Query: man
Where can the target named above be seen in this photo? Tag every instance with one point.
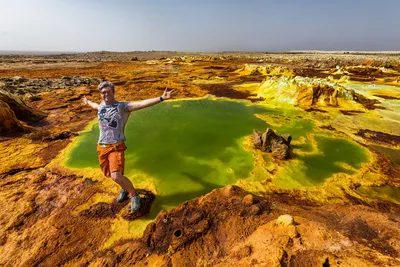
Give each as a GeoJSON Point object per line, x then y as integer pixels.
{"type": "Point", "coordinates": [112, 116]}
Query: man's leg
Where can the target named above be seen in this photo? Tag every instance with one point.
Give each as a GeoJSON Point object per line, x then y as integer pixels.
{"type": "Point", "coordinates": [116, 160]}
{"type": "Point", "coordinates": [124, 182]}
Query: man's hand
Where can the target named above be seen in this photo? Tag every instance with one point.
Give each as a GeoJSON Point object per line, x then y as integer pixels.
{"type": "Point", "coordinates": [151, 101]}
{"type": "Point", "coordinates": [168, 94]}
{"type": "Point", "coordinates": [90, 103]}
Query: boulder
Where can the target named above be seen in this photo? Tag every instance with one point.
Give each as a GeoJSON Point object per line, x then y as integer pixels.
{"type": "Point", "coordinates": [271, 142]}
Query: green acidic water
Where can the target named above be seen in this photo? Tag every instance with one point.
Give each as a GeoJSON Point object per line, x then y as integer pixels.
{"type": "Point", "coordinates": [187, 147]}
{"type": "Point", "coordinates": [333, 154]}
{"type": "Point", "coordinates": [311, 166]}
{"type": "Point", "coordinates": [296, 128]}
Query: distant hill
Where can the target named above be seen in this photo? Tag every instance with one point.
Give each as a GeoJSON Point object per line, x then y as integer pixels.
{"type": "Point", "coordinates": [342, 52]}
{"type": "Point", "coordinates": [17, 52]}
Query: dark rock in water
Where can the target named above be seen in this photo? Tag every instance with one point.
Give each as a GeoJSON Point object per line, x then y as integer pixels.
{"type": "Point", "coordinates": [266, 144]}
{"type": "Point", "coordinates": [287, 138]}
{"type": "Point", "coordinates": [257, 141]}
{"type": "Point", "coordinates": [271, 142]}
{"type": "Point", "coordinates": [280, 150]}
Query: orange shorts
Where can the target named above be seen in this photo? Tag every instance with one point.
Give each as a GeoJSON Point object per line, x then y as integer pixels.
{"type": "Point", "coordinates": [111, 158]}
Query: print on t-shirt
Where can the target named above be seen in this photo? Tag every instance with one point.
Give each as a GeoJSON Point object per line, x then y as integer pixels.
{"type": "Point", "coordinates": [109, 119]}
{"type": "Point", "coordinates": [109, 116]}
{"type": "Point", "coordinates": [112, 120]}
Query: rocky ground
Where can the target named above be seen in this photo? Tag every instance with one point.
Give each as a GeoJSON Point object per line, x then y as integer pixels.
{"type": "Point", "coordinates": [41, 111]}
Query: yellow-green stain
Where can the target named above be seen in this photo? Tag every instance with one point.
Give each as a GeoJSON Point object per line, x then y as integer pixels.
{"type": "Point", "coordinates": [385, 192]}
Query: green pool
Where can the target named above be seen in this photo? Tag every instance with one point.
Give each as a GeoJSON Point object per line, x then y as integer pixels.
{"type": "Point", "coordinates": [189, 147]}
{"type": "Point", "coordinates": [334, 154]}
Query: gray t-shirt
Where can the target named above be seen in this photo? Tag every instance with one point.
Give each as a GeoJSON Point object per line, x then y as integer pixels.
{"type": "Point", "coordinates": [112, 120]}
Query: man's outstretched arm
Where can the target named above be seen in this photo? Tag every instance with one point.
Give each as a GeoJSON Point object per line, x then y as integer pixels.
{"type": "Point", "coordinates": [151, 101]}
{"type": "Point", "coordinates": [90, 103]}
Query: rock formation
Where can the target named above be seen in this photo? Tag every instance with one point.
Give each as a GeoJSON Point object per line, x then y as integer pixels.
{"type": "Point", "coordinates": [8, 121]}
{"type": "Point", "coordinates": [271, 142]}
{"type": "Point", "coordinates": [266, 70]}
{"type": "Point", "coordinates": [317, 94]}
{"type": "Point", "coordinates": [308, 92]}
{"type": "Point", "coordinates": [13, 110]}
{"type": "Point", "coordinates": [177, 228]}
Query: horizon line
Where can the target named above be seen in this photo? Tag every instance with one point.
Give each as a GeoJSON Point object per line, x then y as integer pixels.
{"type": "Point", "coordinates": [301, 51]}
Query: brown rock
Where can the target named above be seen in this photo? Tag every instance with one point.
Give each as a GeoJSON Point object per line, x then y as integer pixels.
{"type": "Point", "coordinates": [257, 141]}
{"type": "Point", "coordinates": [248, 200]}
{"type": "Point", "coordinates": [310, 95]}
{"type": "Point", "coordinates": [229, 191]}
{"type": "Point", "coordinates": [194, 217]}
{"type": "Point", "coordinates": [21, 110]}
{"type": "Point", "coordinates": [279, 149]}
{"type": "Point", "coordinates": [305, 96]}
{"type": "Point", "coordinates": [255, 210]}
{"type": "Point", "coordinates": [8, 121]}
{"type": "Point", "coordinates": [287, 138]}
{"type": "Point", "coordinates": [271, 142]}
{"type": "Point", "coordinates": [243, 252]}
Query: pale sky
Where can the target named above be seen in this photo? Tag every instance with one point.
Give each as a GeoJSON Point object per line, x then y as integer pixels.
{"type": "Point", "coordinates": [207, 25]}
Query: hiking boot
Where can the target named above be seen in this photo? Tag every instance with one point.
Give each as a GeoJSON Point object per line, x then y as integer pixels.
{"type": "Point", "coordinates": [135, 203]}
{"type": "Point", "coordinates": [123, 195]}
